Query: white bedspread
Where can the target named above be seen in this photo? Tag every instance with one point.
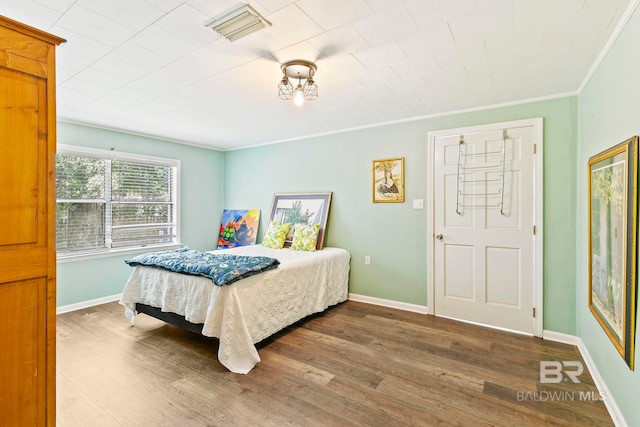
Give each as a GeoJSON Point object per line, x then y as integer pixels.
{"type": "Point", "coordinates": [251, 309]}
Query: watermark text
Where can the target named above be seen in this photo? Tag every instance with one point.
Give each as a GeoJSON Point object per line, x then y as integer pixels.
{"type": "Point", "coordinates": [553, 372]}
{"type": "Point", "coordinates": [557, 396]}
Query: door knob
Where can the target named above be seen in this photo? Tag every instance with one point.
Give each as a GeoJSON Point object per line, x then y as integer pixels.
{"type": "Point", "coordinates": [439, 236]}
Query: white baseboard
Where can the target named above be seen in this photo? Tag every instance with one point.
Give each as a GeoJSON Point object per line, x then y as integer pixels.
{"type": "Point", "coordinates": [612, 407]}
{"type": "Point", "coordinates": [563, 338]}
{"type": "Point", "coordinates": [388, 303]}
{"type": "Point", "coordinates": [87, 304]}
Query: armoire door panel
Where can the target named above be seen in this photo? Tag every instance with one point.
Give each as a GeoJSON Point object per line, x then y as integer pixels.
{"type": "Point", "coordinates": [22, 323]}
{"type": "Point", "coordinates": [21, 171]}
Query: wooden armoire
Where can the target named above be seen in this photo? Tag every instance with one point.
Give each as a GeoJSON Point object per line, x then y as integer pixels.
{"type": "Point", "coordinates": [27, 225]}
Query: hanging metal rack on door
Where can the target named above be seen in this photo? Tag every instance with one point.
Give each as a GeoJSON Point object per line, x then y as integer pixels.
{"type": "Point", "coordinates": [466, 169]}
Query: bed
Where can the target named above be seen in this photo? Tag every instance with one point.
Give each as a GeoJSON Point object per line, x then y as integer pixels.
{"type": "Point", "coordinates": [247, 311]}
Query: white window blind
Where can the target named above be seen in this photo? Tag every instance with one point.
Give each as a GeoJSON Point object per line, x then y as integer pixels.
{"type": "Point", "coordinates": [109, 200]}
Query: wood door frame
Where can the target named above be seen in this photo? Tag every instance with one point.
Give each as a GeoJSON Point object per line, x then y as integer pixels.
{"type": "Point", "coordinates": [537, 124]}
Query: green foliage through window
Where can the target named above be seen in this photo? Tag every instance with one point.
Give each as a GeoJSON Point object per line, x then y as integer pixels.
{"type": "Point", "coordinates": [106, 203]}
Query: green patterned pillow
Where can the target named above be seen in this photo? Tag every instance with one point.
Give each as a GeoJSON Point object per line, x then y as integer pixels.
{"type": "Point", "coordinates": [305, 237]}
{"type": "Point", "coordinates": [276, 235]}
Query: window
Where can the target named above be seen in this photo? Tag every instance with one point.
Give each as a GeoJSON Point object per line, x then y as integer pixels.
{"type": "Point", "coordinates": [109, 201]}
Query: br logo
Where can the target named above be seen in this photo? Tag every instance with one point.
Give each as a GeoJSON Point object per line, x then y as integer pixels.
{"type": "Point", "coordinates": [553, 372]}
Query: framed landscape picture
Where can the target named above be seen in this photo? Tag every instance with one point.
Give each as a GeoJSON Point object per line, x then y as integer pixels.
{"type": "Point", "coordinates": [301, 208]}
{"type": "Point", "coordinates": [388, 180]}
{"type": "Point", "coordinates": [613, 186]}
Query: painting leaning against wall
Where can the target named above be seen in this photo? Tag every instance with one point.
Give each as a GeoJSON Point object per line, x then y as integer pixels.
{"type": "Point", "coordinates": [301, 208]}
{"type": "Point", "coordinates": [613, 177]}
{"type": "Point", "coordinates": [238, 227]}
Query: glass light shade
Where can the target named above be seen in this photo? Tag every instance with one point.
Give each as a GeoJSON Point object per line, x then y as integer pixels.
{"type": "Point", "coordinates": [285, 89]}
{"type": "Point", "coordinates": [310, 90]}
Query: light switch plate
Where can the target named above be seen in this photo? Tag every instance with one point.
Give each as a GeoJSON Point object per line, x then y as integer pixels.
{"type": "Point", "coordinates": [418, 204]}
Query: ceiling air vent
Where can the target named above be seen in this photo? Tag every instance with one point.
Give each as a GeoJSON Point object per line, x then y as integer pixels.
{"type": "Point", "coordinates": [238, 22]}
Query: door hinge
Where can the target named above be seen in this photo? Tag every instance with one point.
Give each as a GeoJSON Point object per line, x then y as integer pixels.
{"type": "Point", "coordinates": [535, 148]}
{"type": "Point", "coordinates": [535, 230]}
{"type": "Point", "coordinates": [534, 312]}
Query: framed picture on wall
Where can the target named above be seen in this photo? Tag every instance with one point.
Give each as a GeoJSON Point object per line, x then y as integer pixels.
{"type": "Point", "coordinates": [388, 180]}
{"type": "Point", "coordinates": [613, 186]}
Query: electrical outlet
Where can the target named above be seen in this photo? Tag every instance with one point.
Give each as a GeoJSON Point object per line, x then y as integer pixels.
{"type": "Point", "coordinates": [367, 260]}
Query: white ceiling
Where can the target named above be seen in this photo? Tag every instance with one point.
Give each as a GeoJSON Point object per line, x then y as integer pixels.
{"type": "Point", "coordinates": [151, 67]}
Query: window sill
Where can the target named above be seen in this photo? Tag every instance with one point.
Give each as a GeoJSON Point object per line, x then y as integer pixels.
{"type": "Point", "coordinates": [63, 259]}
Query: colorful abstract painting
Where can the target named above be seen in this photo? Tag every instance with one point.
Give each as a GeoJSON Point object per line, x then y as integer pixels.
{"type": "Point", "coordinates": [238, 227]}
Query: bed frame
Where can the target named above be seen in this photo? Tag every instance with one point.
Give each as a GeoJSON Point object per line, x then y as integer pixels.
{"type": "Point", "coordinates": [171, 318]}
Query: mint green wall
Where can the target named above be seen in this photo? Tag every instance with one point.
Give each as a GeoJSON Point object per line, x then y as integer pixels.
{"type": "Point", "coordinates": [609, 112]}
{"type": "Point", "coordinates": [200, 201]}
{"type": "Point", "coordinates": [394, 234]}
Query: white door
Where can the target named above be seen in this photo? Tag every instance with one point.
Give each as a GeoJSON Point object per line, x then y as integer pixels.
{"type": "Point", "coordinates": [483, 223]}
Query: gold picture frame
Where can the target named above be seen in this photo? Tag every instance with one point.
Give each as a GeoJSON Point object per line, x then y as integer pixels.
{"type": "Point", "coordinates": [388, 180]}
{"type": "Point", "coordinates": [613, 186]}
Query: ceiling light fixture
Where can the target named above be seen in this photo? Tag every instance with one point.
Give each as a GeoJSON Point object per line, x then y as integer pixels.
{"type": "Point", "coordinates": [238, 22]}
{"type": "Point", "coordinates": [301, 70]}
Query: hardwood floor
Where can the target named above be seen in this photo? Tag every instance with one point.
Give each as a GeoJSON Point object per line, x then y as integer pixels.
{"type": "Point", "coordinates": [356, 364]}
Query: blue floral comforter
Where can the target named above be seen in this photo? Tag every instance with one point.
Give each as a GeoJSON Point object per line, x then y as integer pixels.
{"type": "Point", "coordinates": [222, 269]}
